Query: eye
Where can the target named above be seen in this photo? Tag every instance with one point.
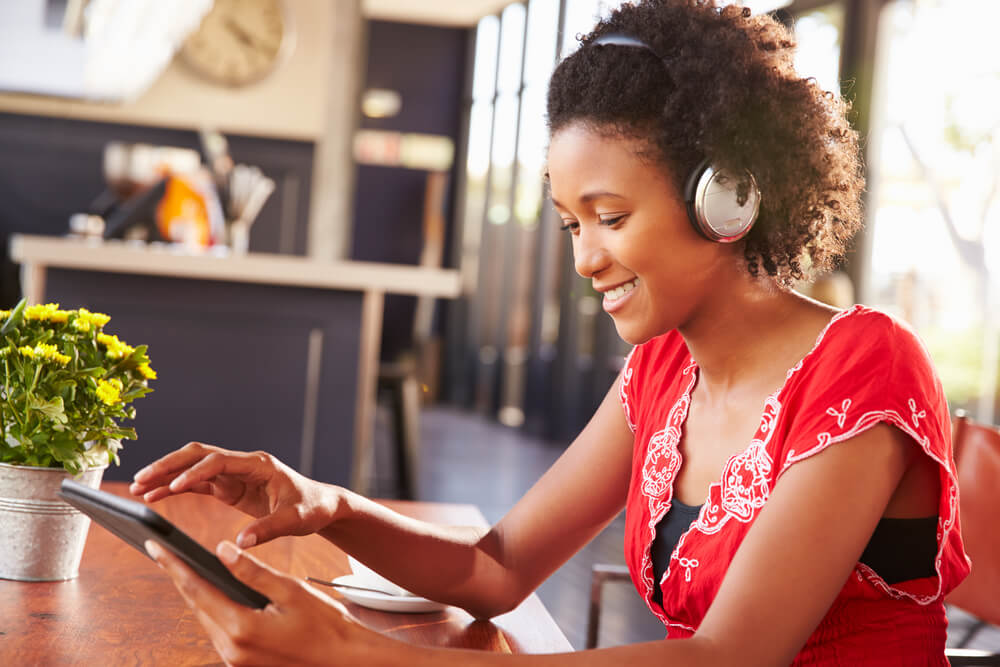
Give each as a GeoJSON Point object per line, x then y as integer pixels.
{"type": "Point", "coordinates": [611, 222]}
{"type": "Point", "coordinates": [570, 226]}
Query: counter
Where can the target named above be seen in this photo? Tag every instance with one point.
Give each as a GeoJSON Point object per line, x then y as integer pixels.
{"type": "Point", "coordinates": [254, 352]}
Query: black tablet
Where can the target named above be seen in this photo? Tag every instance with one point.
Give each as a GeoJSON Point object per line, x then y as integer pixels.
{"type": "Point", "coordinates": [135, 523]}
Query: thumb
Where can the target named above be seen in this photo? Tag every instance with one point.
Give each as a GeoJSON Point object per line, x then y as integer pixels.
{"type": "Point", "coordinates": [259, 576]}
{"type": "Point", "coordinates": [280, 523]}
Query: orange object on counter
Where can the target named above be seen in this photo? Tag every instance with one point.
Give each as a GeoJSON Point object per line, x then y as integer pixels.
{"type": "Point", "coordinates": [185, 213]}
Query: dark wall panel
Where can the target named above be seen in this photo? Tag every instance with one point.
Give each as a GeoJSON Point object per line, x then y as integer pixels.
{"type": "Point", "coordinates": [232, 363]}
{"type": "Point", "coordinates": [51, 168]}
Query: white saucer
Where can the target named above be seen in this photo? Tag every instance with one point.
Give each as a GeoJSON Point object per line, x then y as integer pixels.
{"type": "Point", "coordinates": [406, 604]}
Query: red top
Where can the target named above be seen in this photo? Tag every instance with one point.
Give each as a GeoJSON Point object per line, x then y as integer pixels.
{"type": "Point", "coordinates": [865, 368]}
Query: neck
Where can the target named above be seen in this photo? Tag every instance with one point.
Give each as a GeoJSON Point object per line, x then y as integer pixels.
{"type": "Point", "coordinates": [751, 333]}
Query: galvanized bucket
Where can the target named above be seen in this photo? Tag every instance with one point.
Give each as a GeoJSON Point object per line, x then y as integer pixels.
{"type": "Point", "coordinates": [41, 535]}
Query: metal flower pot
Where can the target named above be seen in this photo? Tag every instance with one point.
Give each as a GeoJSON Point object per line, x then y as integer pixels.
{"type": "Point", "coordinates": [41, 535]}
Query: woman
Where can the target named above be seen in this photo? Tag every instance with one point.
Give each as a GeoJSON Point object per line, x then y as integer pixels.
{"type": "Point", "coordinates": [786, 467]}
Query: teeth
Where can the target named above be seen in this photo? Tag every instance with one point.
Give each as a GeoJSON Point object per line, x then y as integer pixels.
{"type": "Point", "coordinates": [621, 291]}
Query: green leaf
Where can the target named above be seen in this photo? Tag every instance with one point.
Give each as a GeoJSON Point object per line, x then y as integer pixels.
{"type": "Point", "coordinates": [53, 409]}
{"type": "Point", "coordinates": [16, 315]}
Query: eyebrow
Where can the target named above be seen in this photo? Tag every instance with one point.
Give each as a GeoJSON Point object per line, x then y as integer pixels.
{"type": "Point", "coordinates": [588, 197]}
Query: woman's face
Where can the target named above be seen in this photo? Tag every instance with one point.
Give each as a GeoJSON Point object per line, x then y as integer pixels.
{"type": "Point", "coordinates": [630, 232]}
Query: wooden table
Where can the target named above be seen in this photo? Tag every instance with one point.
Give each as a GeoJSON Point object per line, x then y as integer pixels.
{"type": "Point", "coordinates": [123, 610]}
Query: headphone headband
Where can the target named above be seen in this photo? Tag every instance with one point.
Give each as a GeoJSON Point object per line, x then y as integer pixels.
{"type": "Point", "coordinates": [620, 39]}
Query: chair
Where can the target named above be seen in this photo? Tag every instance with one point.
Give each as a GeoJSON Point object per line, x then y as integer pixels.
{"type": "Point", "coordinates": [977, 455]}
{"type": "Point", "coordinates": [401, 377]}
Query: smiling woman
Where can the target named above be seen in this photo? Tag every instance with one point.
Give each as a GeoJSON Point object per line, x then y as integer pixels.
{"type": "Point", "coordinates": [773, 454]}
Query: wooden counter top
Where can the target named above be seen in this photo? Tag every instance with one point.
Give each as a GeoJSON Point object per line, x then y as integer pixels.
{"type": "Point", "coordinates": [272, 269]}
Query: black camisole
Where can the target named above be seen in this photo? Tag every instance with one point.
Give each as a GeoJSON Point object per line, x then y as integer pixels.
{"type": "Point", "coordinates": [899, 549]}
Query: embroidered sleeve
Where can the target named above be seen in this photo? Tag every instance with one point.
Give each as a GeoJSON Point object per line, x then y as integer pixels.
{"type": "Point", "coordinates": [888, 378]}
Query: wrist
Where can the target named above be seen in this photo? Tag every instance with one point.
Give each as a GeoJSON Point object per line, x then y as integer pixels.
{"type": "Point", "coordinates": [335, 508]}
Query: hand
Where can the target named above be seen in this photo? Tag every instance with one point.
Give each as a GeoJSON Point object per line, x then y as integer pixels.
{"type": "Point", "coordinates": [300, 626]}
{"type": "Point", "coordinates": [284, 502]}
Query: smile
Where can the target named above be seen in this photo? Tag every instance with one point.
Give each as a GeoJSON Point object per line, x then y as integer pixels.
{"type": "Point", "coordinates": [615, 298]}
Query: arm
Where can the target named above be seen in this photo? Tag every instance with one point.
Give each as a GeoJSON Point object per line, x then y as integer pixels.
{"type": "Point", "coordinates": [489, 572]}
{"type": "Point", "coordinates": [486, 571]}
{"type": "Point", "coordinates": [812, 530]}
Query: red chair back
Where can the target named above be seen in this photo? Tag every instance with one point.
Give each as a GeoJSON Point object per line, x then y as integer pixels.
{"type": "Point", "coordinates": [977, 454]}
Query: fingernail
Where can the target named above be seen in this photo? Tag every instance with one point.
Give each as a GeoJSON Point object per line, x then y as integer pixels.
{"type": "Point", "coordinates": [228, 552]}
{"type": "Point", "coordinates": [176, 484]}
{"type": "Point", "coordinates": [141, 475]}
{"type": "Point", "coordinates": [153, 549]}
{"type": "Point", "coordinates": [246, 541]}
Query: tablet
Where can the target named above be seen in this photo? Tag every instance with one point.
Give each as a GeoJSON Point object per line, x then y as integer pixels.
{"type": "Point", "coordinates": [135, 523]}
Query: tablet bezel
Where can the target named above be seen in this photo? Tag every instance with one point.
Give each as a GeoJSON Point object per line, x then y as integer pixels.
{"type": "Point", "coordinates": [135, 523]}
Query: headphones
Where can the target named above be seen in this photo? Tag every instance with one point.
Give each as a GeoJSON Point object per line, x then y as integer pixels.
{"type": "Point", "coordinates": [721, 206]}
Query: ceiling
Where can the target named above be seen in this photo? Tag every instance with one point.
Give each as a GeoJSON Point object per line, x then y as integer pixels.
{"type": "Point", "coordinates": [435, 12]}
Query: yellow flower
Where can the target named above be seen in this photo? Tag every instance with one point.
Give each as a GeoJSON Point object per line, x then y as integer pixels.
{"type": "Point", "coordinates": [117, 349]}
{"type": "Point", "coordinates": [40, 312]}
{"type": "Point", "coordinates": [97, 320]}
{"type": "Point", "coordinates": [42, 352]}
{"type": "Point", "coordinates": [81, 325]}
{"type": "Point", "coordinates": [50, 353]}
{"type": "Point", "coordinates": [4, 351]}
{"type": "Point", "coordinates": [109, 391]}
{"type": "Point", "coordinates": [4, 314]}
{"type": "Point", "coordinates": [59, 316]}
{"type": "Point", "coordinates": [145, 371]}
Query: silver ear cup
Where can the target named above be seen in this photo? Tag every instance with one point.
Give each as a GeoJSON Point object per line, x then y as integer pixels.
{"type": "Point", "coordinates": [715, 207]}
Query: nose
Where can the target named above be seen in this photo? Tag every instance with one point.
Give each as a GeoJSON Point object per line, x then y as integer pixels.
{"type": "Point", "coordinates": [590, 257]}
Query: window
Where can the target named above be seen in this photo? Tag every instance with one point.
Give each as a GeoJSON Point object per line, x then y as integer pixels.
{"type": "Point", "coordinates": [935, 213]}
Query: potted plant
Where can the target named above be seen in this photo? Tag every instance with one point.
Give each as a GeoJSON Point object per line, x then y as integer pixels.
{"type": "Point", "coordinates": [65, 393]}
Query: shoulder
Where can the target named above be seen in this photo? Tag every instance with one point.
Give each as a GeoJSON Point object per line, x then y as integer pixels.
{"type": "Point", "coordinates": [869, 367]}
{"type": "Point", "coordinates": [863, 342]}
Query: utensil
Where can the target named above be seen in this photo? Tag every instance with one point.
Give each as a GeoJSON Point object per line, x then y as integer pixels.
{"type": "Point", "coordinates": [337, 584]}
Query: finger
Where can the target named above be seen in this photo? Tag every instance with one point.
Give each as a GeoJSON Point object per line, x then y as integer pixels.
{"type": "Point", "coordinates": [199, 594]}
{"type": "Point", "coordinates": [219, 463]}
{"type": "Point", "coordinates": [204, 488]}
{"type": "Point", "coordinates": [276, 586]}
{"type": "Point", "coordinates": [161, 482]}
{"type": "Point", "coordinates": [220, 638]}
{"type": "Point", "coordinates": [285, 521]}
{"type": "Point", "coordinates": [165, 469]}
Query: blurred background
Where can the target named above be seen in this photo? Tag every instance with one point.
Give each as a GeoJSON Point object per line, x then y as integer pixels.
{"type": "Point", "coordinates": [398, 132]}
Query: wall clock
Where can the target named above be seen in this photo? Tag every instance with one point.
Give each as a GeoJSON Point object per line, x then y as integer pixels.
{"type": "Point", "coordinates": [239, 42]}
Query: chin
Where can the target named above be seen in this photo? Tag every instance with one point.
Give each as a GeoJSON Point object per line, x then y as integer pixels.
{"type": "Point", "coordinates": [633, 335]}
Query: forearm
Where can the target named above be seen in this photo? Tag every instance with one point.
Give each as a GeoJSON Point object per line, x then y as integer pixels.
{"type": "Point", "coordinates": [452, 564]}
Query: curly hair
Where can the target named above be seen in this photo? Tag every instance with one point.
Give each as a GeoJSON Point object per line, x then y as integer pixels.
{"type": "Point", "coordinates": [721, 86]}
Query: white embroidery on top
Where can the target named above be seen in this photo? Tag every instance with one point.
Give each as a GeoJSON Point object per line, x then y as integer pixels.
{"type": "Point", "coordinates": [687, 564]}
{"type": "Point", "coordinates": [663, 459]}
{"type": "Point", "coordinates": [622, 395]}
{"type": "Point", "coordinates": [914, 415]}
{"type": "Point", "coordinates": [841, 416]}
